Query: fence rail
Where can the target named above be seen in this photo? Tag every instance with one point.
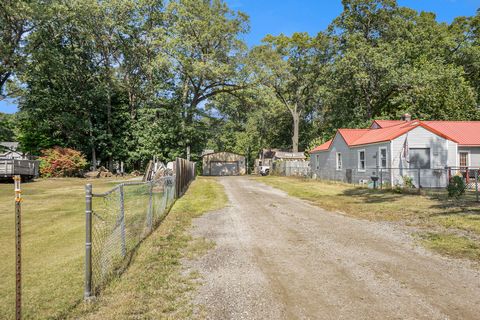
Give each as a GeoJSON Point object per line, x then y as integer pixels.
{"type": "Point", "coordinates": [119, 219]}
{"type": "Point", "coordinates": [428, 179]}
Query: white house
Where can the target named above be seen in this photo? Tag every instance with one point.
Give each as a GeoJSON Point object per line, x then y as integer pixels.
{"type": "Point", "coordinates": [391, 150]}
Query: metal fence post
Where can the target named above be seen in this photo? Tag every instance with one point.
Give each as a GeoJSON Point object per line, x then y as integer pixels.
{"type": "Point", "coordinates": [88, 241]}
{"type": "Point", "coordinates": [476, 185]}
{"type": "Point", "coordinates": [18, 247]}
{"type": "Point", "coordinates": [381, 178]}
{"type": "Point", "coordinates": [419, 183]}
{"type": "Point", "coordinates": [122, 221]}
{"type": "Point", "coordinates": [150, 207]}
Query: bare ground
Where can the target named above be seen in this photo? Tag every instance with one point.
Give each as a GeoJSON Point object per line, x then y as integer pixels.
{"type": "Point", "coordinates": [278, 257]}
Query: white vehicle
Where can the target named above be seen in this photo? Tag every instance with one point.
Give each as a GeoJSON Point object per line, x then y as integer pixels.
{"type": "Point", "coordinates": [264, 170]}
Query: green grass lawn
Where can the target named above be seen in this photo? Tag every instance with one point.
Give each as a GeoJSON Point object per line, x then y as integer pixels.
{"type": "Point", "coordinates": [154, 286]}
{"type": "Point", "coordinates": [451, 227]}
{"type": "Point", "coordinates": [53, 236]}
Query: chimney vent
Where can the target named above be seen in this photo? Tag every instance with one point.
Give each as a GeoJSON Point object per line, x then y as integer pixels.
{"type": "Point", "coordinates": [407, 117]}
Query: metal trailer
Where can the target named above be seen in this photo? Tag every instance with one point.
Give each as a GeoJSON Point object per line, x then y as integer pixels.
{"type": "Point", "coordinates": [27, 169]}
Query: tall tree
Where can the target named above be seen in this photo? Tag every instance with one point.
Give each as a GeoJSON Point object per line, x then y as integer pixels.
{"type": "Point", "coordinates": [207, 56]}
{"type": "Point", "coordinates": [291, 68]}
{"type": "Point", "coordinates": [15, 22]}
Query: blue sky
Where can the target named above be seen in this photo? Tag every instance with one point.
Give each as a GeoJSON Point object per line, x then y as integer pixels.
{"type": "Point", "coordinates": [288, 16]}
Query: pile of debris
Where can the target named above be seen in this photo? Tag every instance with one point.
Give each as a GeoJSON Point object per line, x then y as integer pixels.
{"type": "Point", "coordinates": [101, 172]}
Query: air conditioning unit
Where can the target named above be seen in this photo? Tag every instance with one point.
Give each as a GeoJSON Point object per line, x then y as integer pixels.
{"type": "Point", "coordinates": [363, 182]}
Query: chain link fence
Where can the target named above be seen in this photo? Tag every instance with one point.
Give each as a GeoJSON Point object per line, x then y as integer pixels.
{"type": "Point", "coordinates": [434, 181]}
{"type": "Point", "coordinates": [119, 219]}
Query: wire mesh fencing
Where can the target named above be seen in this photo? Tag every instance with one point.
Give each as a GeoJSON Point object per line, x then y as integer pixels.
{"type": "Point", "coordinates": [119, 219]}
{"type": "Point", "coordinates": [432, 181]}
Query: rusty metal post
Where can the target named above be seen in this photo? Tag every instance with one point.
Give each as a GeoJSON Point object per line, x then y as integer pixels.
{"type": "Point", "coordinates": [18, 247]}
{"type": "Point", "coordinates": [88, 242]}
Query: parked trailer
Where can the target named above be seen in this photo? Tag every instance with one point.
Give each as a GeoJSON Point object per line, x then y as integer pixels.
{"type": "Point", "coordinates": [28, 169]}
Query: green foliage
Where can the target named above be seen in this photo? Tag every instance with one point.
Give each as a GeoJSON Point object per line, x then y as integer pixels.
{"type": "Point", "coordinates": [61, 162]}
{"type": "Point", "coordinates": [456, 187]}
{"type": "Point", "coordinates": [15, 22]}
{"type": "Point", "coordinates": [7, 127]}
{"type": "Point", "coordinates": [127, 80]}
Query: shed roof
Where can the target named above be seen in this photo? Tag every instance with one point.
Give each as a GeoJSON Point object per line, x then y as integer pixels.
{"type": "Point", "coordinates": [218, 152]}
{"type": "Point", "coordinates": [289, 155]}
{"type": "Point", "coordinates": [9, 145]}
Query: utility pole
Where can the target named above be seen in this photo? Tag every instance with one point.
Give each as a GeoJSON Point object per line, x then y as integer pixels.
{"type": "Point", "coordinates": [18, 247]}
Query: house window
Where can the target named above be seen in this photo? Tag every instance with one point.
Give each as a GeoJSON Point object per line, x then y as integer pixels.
{"type": "Point", "coordinates": [361, 160]}
{"type": "Point", "coordinates": [382, 161]}
{"type": "Point", "coordinates": [464, 159]}
{"type": "Point", "coordinates": [419, 158]}
{"type": "Point", "coordinates": [339, 161]}
{"type": "Point", "coordinates": [318, 161]}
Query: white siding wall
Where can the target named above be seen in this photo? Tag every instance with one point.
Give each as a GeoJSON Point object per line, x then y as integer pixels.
{"type": "Point", "coordinates": [441, 152]}
{"type": "Point", "coordinates": [422, 138]}
{"type": "Point", "coordinates": [452, 153]}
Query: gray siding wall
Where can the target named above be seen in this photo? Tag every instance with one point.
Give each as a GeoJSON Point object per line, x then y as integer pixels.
{"type": "Point", "coordinates": [324, 163]}
{"type": "Point", "coordinates": [372, 152]}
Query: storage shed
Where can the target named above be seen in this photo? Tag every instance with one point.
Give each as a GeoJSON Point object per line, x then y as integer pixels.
{"type": "Point", "coordinates": [223, 164]}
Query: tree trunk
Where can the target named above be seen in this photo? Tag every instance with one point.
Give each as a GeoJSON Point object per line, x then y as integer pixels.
{"type": "Point", "coordinates": [109, 129]}
{"type": "Point", "coordinates": [92, 145]}
{"type": "Point", "coordinates": [296, 125]}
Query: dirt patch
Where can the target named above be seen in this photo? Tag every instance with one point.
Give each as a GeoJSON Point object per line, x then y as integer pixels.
{"type": "Point", "coordinates": [278, 257]}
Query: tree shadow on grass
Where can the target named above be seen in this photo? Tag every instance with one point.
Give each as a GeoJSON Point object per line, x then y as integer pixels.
{"type": "Point", "coordinates": [373, 195]}
{"type": "Point", "coordinates": [466, 204]}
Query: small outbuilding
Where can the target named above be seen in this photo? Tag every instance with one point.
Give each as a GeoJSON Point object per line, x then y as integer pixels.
{"type": "Point", "coordinates": [223, 164]}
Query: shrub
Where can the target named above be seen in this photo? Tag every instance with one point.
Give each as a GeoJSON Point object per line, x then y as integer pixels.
{"type": "Point", "coordinates": [408, 182]}
{"type": "Point", "coordinates": [61, 162]}
{"type": "Point", "coordinates": [456, 187]}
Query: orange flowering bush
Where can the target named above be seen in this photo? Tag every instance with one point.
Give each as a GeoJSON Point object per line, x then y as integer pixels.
{"type": "Point", "coordinates": [61, 162]}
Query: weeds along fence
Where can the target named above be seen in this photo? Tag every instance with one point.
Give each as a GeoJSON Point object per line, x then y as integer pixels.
{"type": "Point", "coordinates": [119, 219]}
{"type": "Point", "coordinates": [410, 178]}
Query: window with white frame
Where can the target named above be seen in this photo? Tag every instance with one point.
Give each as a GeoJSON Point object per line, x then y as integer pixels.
{"type": "Point", "coordinates": [464, 158]}
{"type": "Point", "coordinates": [382, 158]}
{"type": "Point", "coordinates": [361, 160]}
{"type": "Point", "coordinates": [339, 161]}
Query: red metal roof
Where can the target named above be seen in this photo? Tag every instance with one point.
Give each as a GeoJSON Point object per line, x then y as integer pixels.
{"type": "Point", "coordinates": [351, 135]}
{"type": "Point", "coordinates": [465, 133]}
{"type": "Point", "coordinates": [387, 123]}
{"type": "Point", "coordinates": [323, 147]}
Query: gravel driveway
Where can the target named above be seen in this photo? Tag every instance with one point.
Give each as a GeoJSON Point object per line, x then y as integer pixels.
{"type": "Point", "coordinates": [278, 257]}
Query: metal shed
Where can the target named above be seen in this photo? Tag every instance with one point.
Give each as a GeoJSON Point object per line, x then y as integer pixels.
{"type": "Point", "coordinates": [223, 164]}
